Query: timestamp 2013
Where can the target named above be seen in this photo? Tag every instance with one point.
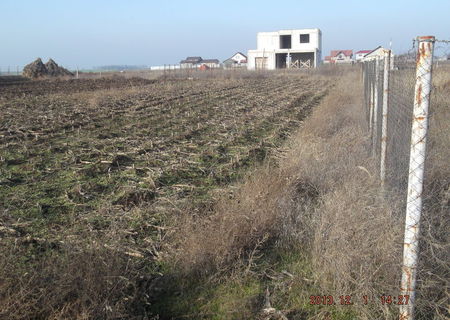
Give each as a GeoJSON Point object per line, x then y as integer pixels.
{"type": "Point", "coordinates": [347, 300]}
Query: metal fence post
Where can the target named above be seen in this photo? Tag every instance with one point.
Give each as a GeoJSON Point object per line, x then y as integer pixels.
{"type": "Point", "coordinates": [366, 90]}
{"type": "Point", "coordinates": [387, 55]}
{"type": "Point", "coordinates": [371, 99]}
{"type": "Point", "coordinates": [416, 173]}
{"type": "Point", "coordinates": [375, 109]}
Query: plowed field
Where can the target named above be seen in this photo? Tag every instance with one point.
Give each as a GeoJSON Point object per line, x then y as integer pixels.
{"type": "Point", "coordinates": [79, 155]}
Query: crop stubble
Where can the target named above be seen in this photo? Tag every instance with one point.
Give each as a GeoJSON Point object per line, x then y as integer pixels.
{"type": "Point", "coordinates": [80, 156]}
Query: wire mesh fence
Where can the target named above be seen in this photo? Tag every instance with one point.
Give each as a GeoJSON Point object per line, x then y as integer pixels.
{"type": "Point", "coordinates": [401, 98]}
{"type": "Point", "coordinates": [397, 96]}
{"type": "Point", "coordinates": [397, 120]}
{"type": "Point", "coordinates": [11, 70]}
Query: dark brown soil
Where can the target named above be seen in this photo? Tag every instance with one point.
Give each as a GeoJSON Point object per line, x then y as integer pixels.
{"type": "Point", "coordinates": [19, 86]}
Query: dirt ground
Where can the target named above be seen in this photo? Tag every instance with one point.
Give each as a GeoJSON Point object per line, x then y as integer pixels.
{"type": "Point", "coordinates": [15, 86]}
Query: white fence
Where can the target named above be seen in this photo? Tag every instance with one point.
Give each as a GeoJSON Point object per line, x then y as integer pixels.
{"type": "Point", "coordinates": [397, 104]}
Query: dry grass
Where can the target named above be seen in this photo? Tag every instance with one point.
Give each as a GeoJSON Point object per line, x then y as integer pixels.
{"type": "Point", "coordinates": [311, 220]}
{"type": "Point", "coordinates": [355, 235]}
{"type": "Point", "coordinates": [324, 199]}
{"type": "Point", "coordinates": [72, 283]}
{"type": "Point", "coordinates": [434, 265]}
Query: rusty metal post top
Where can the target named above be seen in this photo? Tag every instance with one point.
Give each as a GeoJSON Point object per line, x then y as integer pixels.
{"type": "Point", "coordinates": [426, 38]}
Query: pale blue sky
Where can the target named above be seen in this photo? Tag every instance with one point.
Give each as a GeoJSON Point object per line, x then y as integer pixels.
{"type": "Point", "coordinates": [137, 32]}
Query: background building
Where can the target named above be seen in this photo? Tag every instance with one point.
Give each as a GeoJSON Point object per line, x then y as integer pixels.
{"type": "Point", "coordinates": [190, 62]}
{"type": "Point", "coordinates": [340, 56]}
{"type": "Point", "coordinates": [210, 63]}
{"type": "Point", "coordinates": [379, 53]}
{"type": "Point", "coordinates": [197, 62]}
{"type": "Point", "coordinates": [359, 56]}
{"type": "Point", "coordinates": [237, 60]}
{"type": "Point", "coordinates": [300, 48]}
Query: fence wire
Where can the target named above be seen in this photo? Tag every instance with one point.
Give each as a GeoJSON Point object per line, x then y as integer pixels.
{"type": "Point", "coordinates": [417, 97]}
{"type": "Point", "coordinates": [401, 99]}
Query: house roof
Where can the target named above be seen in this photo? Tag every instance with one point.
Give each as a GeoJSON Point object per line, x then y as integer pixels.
{"type": "Point", "coordinates": [240, 54]}
{"type": "Point", "coordinates": [372, 51]}
{"type": "Point", "coordinates": [347, 53]}
{"type": "Point", "coordinates": [191, 60]}
{"type": "Point", "coordinates": [363, 51]}
{"type": "Point", "coordinates": [210, 61]}
{"type": "Point", "coordinates": [231, 58]}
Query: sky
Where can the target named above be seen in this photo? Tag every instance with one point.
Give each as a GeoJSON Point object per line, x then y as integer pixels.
{"type": "Point", "coordinates": [87, 33]}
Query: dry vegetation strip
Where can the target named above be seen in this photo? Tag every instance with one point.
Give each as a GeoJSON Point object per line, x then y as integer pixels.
{"type": "Point", "coordinates": [318, 224]}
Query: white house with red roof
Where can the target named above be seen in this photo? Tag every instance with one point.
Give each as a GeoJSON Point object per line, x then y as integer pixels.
{"type": "Point", "coordinates": [340, 56]}
{"type": "Point", "coordinates": [379, 53]}
{"type": "Point", "coordinates": [360, 55]}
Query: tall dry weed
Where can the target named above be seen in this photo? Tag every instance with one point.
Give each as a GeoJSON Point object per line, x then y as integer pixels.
{"type": "Point", "coordinates": [325, 197]}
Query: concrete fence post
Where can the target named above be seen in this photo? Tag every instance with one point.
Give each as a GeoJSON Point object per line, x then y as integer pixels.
{"type": "Point", "coordinates": [416, 173]}
{"type": "Point", "coordinates": [384, 120]}
{"type": "Point", "coordinates": [371, 98]}
{"type": "Point", "coordinates": [361, 73]}
{"type": "Point", "coordinates": [375, 108]}
{"type": "Point", "coordinates": [363, 80]}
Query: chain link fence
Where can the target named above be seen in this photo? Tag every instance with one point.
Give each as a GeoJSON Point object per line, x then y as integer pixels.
{"type": "Point", "coordinates": [400, 99]}
{"type": "Point", "coordinates": [397, 131]}
{"type": "Point", "coordinates": [400, 104]}
{"type": "Point", "coordinates": [11, 70]}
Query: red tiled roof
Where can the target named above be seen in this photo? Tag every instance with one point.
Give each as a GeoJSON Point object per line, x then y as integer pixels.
{"type": "Point", "coordinates": [347, 53]}
{"type": "Point", "coordinates": [363, 51]}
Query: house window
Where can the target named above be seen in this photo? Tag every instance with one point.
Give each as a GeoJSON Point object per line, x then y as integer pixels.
{"type": "Point", "coordinates": [285, 42]}
{"type": "Point", "coordinates": [304, 38]}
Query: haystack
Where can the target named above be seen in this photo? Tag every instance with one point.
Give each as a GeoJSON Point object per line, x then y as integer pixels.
{"type": "Point", "coordinates": [53, 70]}
{"type": "Point", "coordinates": [37, 69]}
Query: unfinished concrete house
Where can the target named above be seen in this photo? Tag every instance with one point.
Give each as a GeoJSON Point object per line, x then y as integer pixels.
{"type": "Point", "coordinates": [300, 48]}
